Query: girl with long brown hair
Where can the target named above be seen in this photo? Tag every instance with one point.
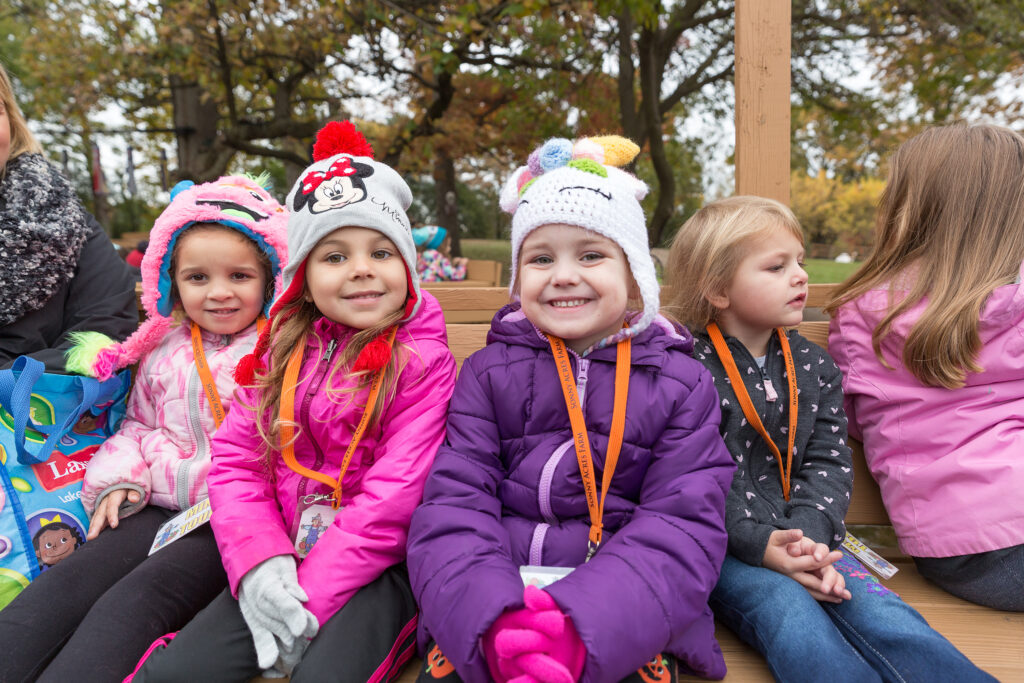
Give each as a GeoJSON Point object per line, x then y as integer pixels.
{"type": "Point", "coordinates": [313, 487]}
{"type": "Point", "coordinates": [929, 334]}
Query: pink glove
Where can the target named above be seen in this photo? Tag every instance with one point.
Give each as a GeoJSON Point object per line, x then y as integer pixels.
{"type": "Point", "coordinates": [536, 644]}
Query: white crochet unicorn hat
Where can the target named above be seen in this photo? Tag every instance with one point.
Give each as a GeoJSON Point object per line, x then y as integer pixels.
{"type": "Point", "coordinates": [237, 202]}
{"type": "Point", "coordinates": [580, 183]}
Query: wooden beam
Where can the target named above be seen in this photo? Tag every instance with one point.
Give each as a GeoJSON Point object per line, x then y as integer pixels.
{"type": "Point", "coordinates": [762, 98]}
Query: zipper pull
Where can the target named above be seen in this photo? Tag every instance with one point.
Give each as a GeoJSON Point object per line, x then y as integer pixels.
{"type": "Point", "coordinates": [581, 380]}
{"type": "Point", "coordinates": [330, 351]}
{"type": "Point", "coordinates": [769, 388]}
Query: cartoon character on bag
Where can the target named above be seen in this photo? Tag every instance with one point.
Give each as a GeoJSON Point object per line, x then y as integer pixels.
{"type": "Point", "coordinates": [656, 671]}
{"type": "Point", "coordinates": [437, 664]}
{"type": "Point", "coordinates": [55, 541]}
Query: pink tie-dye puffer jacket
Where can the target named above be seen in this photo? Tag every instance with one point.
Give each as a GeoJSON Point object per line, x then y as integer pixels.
{"type": "Point", "coordinates": [162, 448]}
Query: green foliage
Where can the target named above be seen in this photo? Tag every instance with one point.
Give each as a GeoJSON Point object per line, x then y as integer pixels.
{"type": "Point", "coordinates": [834, 212]}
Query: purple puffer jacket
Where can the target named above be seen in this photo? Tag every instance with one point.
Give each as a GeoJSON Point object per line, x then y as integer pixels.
{"type": "Point", "coordinates": [505, 490]}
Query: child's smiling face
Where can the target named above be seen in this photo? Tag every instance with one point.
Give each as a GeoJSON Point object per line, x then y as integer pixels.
{"type": "Point", "coordinates": [219, 278]}
{"type": "Point", "coordinates": [356, 277]}
{"type": "Point", "coordinates": [573, 284]}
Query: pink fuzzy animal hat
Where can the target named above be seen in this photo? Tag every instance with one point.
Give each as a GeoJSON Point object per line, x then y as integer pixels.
{"type": "Point", "coordinates": [237, 202]}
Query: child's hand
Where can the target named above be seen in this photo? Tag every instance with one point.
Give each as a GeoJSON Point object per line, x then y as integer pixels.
{"type": "Point", "coordinates": [106, 512]}
{"type": "Point", "coordinates": [789, 552]}
{"type": "Point", "coordinates": [824, 584]}
{"type": "Point", "coordinates": [460, 260]}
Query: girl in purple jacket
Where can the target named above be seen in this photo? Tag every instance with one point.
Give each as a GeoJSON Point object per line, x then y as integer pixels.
{"type": "Point", "coordinates": [312, 487]}
{"type": "Point", "coordinates": [582, 458]}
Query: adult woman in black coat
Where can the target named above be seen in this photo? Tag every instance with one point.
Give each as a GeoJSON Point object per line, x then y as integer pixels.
{"type": "Point", "coordinates": [58, 270]}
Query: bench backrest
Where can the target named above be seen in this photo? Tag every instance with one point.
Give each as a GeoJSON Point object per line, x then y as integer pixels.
{"type": "Point", "coordinates": [468, 312]}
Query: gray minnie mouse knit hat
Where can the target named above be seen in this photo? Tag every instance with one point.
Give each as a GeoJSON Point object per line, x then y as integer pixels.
{"type": "Point", "coordinates": [580, 184]}
{"type": "Point", "coordinates": [346, 187]}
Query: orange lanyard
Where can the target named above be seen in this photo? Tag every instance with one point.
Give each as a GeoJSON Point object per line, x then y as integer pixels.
{"type": "Point", "coordinates": [785, 469]}
{"type": "Point", "coordinates": [287, 419]}
{"type": "Point", "coordinates": [579, 431]}
{"type": "Point", "coordinates": [206, 377]}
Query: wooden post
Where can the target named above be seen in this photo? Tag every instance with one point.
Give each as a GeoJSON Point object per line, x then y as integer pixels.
{"type": "Point", "coordinates": [762, 98]}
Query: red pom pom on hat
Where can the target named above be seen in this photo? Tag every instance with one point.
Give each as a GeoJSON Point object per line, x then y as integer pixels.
{"type": "Point", "coordinates": [374, 355]}
{"type": "Point", "coordinates": [340, 137]}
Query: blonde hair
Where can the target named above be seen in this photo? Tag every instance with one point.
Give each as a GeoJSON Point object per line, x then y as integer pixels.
{"type": "Point", "coordinates": [22, 140]}
{"type": "Point", "coordinates": [708, 249]}
{"type": "Point", "coordinates": [949, 227]}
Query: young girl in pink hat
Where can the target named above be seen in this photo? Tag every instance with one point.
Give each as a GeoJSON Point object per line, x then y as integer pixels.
{"type": "Point", "coordinates": [215, 255]}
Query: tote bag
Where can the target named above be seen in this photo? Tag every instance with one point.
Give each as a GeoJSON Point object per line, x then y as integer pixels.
{"type": "Point", "coordinates": [50, 425]}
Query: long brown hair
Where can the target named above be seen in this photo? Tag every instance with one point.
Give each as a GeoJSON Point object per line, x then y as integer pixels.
{"type": "Point", "coordinates": [288, 329]}
{"type": "Point", "coordinates": [949, 228]}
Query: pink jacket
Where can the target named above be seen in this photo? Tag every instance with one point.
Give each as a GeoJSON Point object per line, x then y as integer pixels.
{"type": "Point", "coordinates": [255, 514]}
{"type": "Point", "coordinates": [950, 463]}
{"type": "Point", "coordinates": [162, 448]}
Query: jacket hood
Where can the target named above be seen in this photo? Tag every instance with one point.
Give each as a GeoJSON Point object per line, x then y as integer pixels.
{"type": "Point", "coordinates": [510, 326]}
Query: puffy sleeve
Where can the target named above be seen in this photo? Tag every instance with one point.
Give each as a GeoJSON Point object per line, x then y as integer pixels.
{"type": "Point", "coordinates": [246, 518]}
{"type": "Point", "coordinates": [462, 573]}
{"type": "Point", "coordinates": [119, 462]}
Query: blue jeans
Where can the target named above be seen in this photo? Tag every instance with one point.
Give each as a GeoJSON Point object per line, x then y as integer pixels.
{"type": "Point", "coordinates": [874, 636]}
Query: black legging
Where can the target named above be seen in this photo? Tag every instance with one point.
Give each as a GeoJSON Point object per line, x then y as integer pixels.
{"type": "Point", "coordinates": [369, 639]}
{"type": "Point", "coordinates": [91, 617]}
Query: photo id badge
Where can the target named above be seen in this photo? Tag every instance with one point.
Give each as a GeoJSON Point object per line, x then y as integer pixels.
{"type": "Point", "coordinates": [315, 516]}
{"type": "Point", "coordinates": [541, 577]}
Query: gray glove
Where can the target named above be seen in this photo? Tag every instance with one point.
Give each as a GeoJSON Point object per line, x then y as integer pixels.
{"type": "Point", "coordinates": [271, 602]}
{"type": "Point", "coordinates": [290, 657]}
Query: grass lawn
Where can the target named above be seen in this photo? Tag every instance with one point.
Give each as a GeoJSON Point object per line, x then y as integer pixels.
{"type": "Point", "coordinates": [818, 270]}
{"type": "Point", "coordinates": [821, 271]}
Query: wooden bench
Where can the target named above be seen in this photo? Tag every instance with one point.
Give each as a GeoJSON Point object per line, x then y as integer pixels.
{"type": "Point", "coordinates": [991, 639]}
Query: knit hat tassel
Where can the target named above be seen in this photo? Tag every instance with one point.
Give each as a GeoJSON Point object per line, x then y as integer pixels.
{"type": "Point", "coordinates": [374, 355]}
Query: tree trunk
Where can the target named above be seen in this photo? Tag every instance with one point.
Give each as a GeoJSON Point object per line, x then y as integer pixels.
{"type": "Point", "coordinates": [100, 203]}
{"type": "Point", "coordinates": [650, 106]}
{"type": "Point", "coordinates": [447, 201]}
{"type": "Point", "coordinates": [201, 157]}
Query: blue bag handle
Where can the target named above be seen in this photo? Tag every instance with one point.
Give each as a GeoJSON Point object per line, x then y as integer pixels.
{"type": "Point", "coordinates": [16, 394]}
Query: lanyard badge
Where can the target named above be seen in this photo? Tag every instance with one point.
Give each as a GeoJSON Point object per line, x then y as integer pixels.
{"type": "Point", "coordinates": [206, 377]}
{"type": "Point", "coordinates": [317, 511]}
{"type": "Point", "coordinates": [579, 429]}
{"type": "Point", "coordinates": [740, 389]}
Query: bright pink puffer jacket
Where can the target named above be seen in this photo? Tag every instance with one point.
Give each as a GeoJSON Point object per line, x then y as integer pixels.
{"type": "Point", "coordinates": [256, 513]}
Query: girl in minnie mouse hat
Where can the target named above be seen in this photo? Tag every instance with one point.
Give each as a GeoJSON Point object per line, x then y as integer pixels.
{"type": "Point", "coordinates": [347, 392]}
